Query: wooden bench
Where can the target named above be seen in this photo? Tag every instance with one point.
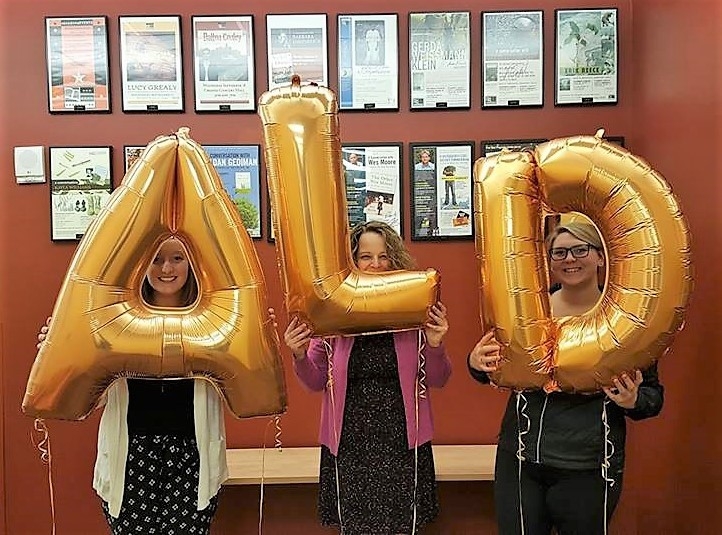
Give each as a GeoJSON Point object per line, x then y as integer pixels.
{"type": "Point", "coordinates": [300, 465]}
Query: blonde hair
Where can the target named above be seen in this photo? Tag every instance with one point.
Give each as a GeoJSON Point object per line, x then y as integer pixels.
{"type": "Point", "coordinates": [585, 232]}
{"type": "Point", "coordinates": [399, 257]}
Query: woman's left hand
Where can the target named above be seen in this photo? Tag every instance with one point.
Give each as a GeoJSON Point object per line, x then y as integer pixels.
{"type": "Point", "coordinates": [436, 327]}
{"type": "Point", "coordinates": [625, 390]}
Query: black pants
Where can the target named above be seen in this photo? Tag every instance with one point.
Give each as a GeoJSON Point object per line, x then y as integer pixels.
{"type": "Point", "coordinates": [572, 501]}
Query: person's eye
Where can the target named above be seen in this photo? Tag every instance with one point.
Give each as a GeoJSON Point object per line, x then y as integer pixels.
{"type": "Point", "coordinates": [580, 249]}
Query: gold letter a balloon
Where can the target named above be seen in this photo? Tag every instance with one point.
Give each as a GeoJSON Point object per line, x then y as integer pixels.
{"type": "Point", "coordinates": [102, 329]}
{"type": "Point", "coordinates": [321, 282]}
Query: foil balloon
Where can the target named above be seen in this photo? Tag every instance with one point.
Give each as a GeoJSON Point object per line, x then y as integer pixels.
{"type": "Point", "coordinates": [321, 283]}
{"type": "Point", "coordinates": [649, 272]}
{"type": "Point", "coordinates": [102, 328]}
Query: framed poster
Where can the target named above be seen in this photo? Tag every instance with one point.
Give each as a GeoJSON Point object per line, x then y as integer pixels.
{"type": "Point", "coordinates": [491, 147]}
{"type": "Point", "coordinates": [512, 62]}
{"type": "Point", "coordinates": [297, 44]}
{"type": "Point", "coordinates": [151, 63]}
{"type": "Point", "coordinates": [80, 185]}
{"type": "Point", "coordinates": [372, 173]}
{"type": "Point", "coordinates": [587, 49]}
{"type": "Point", "coordinates": [440, 60]}
{"type": "Point", "coordinates": [224, 76]}
{"type": "Point", "coordinates": [441, 190]}
{"type": "Point", "coordinates": [130, 154]}
{"type": "Point", "coordinates": [240, 171]}
{"type": "Point", "coordinates": [76, 51]}
{"type": "Point", "coordinates": [368, 62]}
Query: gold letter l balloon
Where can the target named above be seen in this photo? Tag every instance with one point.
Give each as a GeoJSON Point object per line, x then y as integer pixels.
{"type": "Point", "coordinates": [648, 256]}
{"type": "Point", "coordinates": [102, 329]}
{"type": "Point", "coordinates": [321, 283]}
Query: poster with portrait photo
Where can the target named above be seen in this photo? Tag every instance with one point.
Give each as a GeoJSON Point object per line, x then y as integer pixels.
{"type": "Point", "coordinates": [223, 66]}
{"type": "Point", "coordinates": [77, 63]}
{"type": "Point", "coordinates": [512, 58]}
{"type": "Point", "coordinates": [440, 60]}
{"type": "Point", "coordinates": [368, 66]}
{"type": "Point", "coordinates": [151, 63]}
{"type": "Point", "coordinates": [80, 186]}
{"type": "Point", "coordinates": [296, 44]}
{"type": "Point", "coordinates": [495, 146]}
{"type": "Point", "coordinates": [441, 190]}
{"type": "Point", "coordinates": [586, 56]}
{"type": "Point", "coordinates": [239, 169]}
{"type": "Point", "coordinates": [372, 175]}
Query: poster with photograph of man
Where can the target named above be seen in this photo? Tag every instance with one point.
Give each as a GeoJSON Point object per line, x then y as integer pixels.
{"type": "Point", "coordinates": [372, 175]}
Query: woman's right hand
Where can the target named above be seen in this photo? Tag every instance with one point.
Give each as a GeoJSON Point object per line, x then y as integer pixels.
{"type": "Point", "coordinates": [43, 332]}
{"type": "Point", "coordinates": [297, 337]}
{"type": "Point", "coordinates": [486, 354]}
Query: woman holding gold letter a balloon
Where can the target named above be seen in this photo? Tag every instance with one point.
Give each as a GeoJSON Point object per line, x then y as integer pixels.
{"type": "Point", "coordinates": [583, 359]}
{"type": "Point", "coordinates": [377, 467]}
{"type": "Point", "coordinates": [162, 315]}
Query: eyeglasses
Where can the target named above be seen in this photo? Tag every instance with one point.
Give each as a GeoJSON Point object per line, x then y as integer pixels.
{"type": "Point", "coordinates": [578, 251]}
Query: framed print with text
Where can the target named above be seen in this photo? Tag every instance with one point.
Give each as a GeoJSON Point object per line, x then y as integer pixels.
{"type": "Point", "coordinates": [77, 61]}
{"type": "Point", "coordinates": [223, 64]}
{"type": "Point", "coordinates": [239, 168]}
{"type": "Point", "coordinates": [80, 185]}
{"type": "Point", "coordinates": [151, 63]}
{"type": "Point", "coordinates": [372, 173]}
{"type": "Point", "coordinates": [297, 44]}
{"type": "Point", "coordinates": [587, 56]}
{"type": "Point", "coordinates": [440, 60]}
{"type": "Point", "coordinates": [491, 147]}
{"type": "Point", "coordinates": [441, 191]}
{"type": "Point", "coordinates": [368, 62]}
{"type": "Point", "coordinates": [512, 62]}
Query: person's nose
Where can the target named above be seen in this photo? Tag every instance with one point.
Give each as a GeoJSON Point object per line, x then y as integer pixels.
{"type": "Point", "coordinates": [167, 267]}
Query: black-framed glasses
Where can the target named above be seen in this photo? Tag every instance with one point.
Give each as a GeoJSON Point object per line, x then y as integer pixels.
{"type": "Point", "coordinates": [578, 251]}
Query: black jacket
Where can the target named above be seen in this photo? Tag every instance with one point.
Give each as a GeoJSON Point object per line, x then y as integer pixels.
{"type": "Point", "coordinates": [566, 430]}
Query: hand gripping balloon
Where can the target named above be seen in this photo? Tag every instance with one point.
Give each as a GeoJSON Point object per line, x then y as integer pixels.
{"type": "Point", "coordinates": [321, 283]}
{"type": "Point", "coordinates": [647, 243]}
{"type": "Point", "coordinates": [102, 329]}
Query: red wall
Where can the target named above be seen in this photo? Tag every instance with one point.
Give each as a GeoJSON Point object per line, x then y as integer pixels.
{"type": "Point", "coordinates": [669, 112]}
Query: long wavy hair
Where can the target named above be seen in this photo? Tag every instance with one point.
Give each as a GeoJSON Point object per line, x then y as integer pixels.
{"type": "Point", "coordinates": [399, 257]}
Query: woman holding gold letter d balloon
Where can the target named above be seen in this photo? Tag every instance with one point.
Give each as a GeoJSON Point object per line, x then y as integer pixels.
{"type": "Point", "coordinates": [580, 358]}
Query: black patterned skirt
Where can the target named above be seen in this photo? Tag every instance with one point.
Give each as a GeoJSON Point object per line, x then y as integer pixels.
{"type": "Point", "coordinates": [380, 478]}
{"type": "Point", "coordinates": [161, 489]}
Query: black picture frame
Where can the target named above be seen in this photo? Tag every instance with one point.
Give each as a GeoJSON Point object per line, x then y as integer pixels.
{"type": "Point", "coordinates": [489, 147]}
{"type": "Point", "coordinates": [586, 57]}
{"type": "Point", "coordinates": [439, 41]}
{"type": "Point", "coordinates": [512, 52]}
{"type": "Point", "coordinates": [224, 65]}
{"type": "Point", "coordinates": [367, 46]}
{"type": "Point", "coordinates": [81, 181]}
{"type": "Point", "coordinates": [374, 183]}
{"type": "Point", "coordinates": [77, 48]}
{"type": "Point", "coordinates": [151, 64]}
{"type": "Point", "coordinates": [452, 218]}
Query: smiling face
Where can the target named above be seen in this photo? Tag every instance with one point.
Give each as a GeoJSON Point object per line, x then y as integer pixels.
{"type": "Point", "coordinates": [168, 273]}
{"type": "Point", "coordinates": [574, 272]}
{"type": "Point", "coordinates": [372, 256]}
{"type": "Point", "coordinates": [425, 157]}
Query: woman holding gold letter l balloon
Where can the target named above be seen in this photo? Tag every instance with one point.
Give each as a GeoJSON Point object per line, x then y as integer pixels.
{"type": "Point", "coordinates": [376, 458]}
{"type": "Point", "coordinates": [583, 359]}
{"type": "Point", "coordinates": [364, 329]}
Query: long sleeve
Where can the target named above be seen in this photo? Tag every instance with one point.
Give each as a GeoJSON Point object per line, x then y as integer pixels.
{"type": "Point", "coordinates": [438, 365]}
{"type": "Point", "coordinates": [650, 396]}
{"type": "Point", "coordinates": [312, 371]}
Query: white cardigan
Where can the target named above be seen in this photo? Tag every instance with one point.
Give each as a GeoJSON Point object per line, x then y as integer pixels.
{"type": "Point", "coordinates": [109, 477]}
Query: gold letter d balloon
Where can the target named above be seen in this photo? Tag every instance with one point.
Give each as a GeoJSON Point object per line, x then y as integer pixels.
{"type": "Point", "coordinates": [102, 329]}
{"type": "Point", "coordinates": [649, 277]}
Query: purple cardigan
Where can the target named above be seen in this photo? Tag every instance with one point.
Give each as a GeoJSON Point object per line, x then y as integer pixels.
{"type": "Point", "coordinates": [312, 371]}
